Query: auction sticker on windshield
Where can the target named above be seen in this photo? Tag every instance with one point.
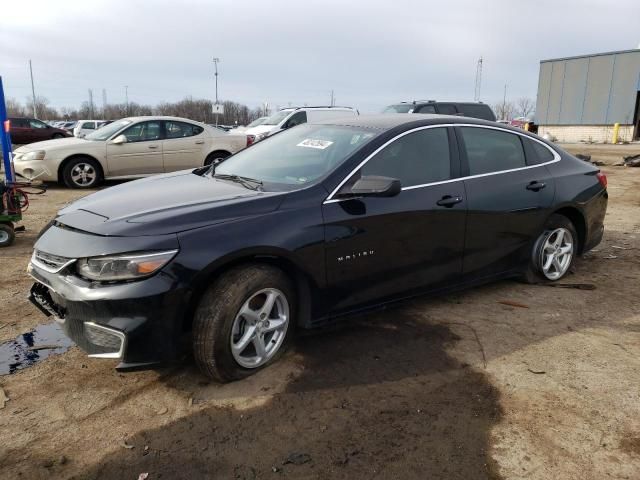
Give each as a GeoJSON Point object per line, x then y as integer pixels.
{"type": "Point", "coordinates": [315, 143]}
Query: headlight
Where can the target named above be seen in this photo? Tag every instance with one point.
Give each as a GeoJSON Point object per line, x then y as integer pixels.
{"type": "Point", "coordinates": [35, 155]}
{"type": "Point", "coordinates": [128, 266]}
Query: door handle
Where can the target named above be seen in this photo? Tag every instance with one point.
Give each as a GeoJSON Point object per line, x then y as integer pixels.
{"type": "Point", "coordinates": [199, 142]}
{"type": "Point", "coordinates": [536, 186]}
{"type": "Point", "coordinates": [153, 146]}
{"type": "Point", "coordinates": [448, 201]}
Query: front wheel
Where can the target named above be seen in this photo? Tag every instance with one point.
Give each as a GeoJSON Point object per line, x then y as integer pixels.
{"type": "Point", "coordinates": [243, 322]}
{"type": "Point", "coordinates": [7, 235]}
{"type": "Point", "coordinates": [216, 157]}
{"type": "Point", "coordinates": [82, 172]}
{"type": "Point", "coordinates": [57, 135]}
{"type": "Point", "coordinates": [554, 251]}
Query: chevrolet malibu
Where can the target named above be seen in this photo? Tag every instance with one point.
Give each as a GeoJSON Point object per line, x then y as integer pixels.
{"type": "Point", "coordinates": [128, 148]}
{"type": "Point", "coordinates": [313, 223]}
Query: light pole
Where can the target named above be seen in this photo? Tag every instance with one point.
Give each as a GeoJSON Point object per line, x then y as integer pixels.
{"type": "Point", "coordinates": [126, 100]}
{"type": "Point", "coordinates": [215, 65]}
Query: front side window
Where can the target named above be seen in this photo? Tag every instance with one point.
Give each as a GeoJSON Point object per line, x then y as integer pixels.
{"type": "Point", "coordinates": [297, 157]}
{"type": "Point", "coordinates": [491, 150]}
{"type": "Point", "coordinates": [37, 124]}
{"type": "Point", "coordinates": [88, 126]}
{"type": "Point", "coordinates": [297, 119]}
{"type": "Point", "coordinates": [415, 159]}
{"type": "Point", "coordinates": [181, 129]}
{"type": "Point", "coordinates": [427, 109]}
{"type": "Point", "coordinates": [143, 132]}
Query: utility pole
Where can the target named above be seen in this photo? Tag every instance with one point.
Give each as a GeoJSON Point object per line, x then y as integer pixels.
{"type": "Point", "coordinates": [478, 87]}
{"type": "Point", "coordinates": [104, 100]}
{"type": "Point", "coordinates": [504, 103]}
{"type": "Point", "coordinates": [33, 91]}
{"type": "Point", "coordinates": [126, 100]}
{"type": "Point", "coordinates": [215, 66]}
{"type": "Point", "coordinates": [333, 99]}
{"type": "Point", "coordinates": [91, 104]}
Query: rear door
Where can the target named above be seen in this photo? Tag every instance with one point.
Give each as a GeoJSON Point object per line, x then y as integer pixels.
{"type": "Point", "coordinates": [20, 131]}
{"type": "Point", "coordinates": [184, 146]}
{"type": "Point", "coordinates": [508, 195]}
{"type": "Point", "coordinates": [142, 152]}
{"type": "Point", "coordinates": [382, 246]}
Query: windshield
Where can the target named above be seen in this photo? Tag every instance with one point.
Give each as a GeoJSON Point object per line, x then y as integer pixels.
{"type": "Point", "coordinates": [256, 122]}
{"type": "Point", "coordinates": [108, 130]}
{"type": "Point", "coordinates": [276, 118]}
{"type": "Point", "coordinates": [402, 108]}
{"type": "Point", "coordinates": [299, 156]}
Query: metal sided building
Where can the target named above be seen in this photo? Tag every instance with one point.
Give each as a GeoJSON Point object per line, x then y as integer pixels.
{"type": "Point", "coordinates": [581, 98]}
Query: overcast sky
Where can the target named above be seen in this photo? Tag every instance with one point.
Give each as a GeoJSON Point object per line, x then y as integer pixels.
{"type": "Point", "coordinates": [370, 52]}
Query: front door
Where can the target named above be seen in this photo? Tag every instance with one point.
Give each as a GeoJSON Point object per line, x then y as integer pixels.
{"type": "Point", "coordinates": [377, 247]}
{"type": "Point", "coordinates": [184, 146]}
{"type": "Point", "coordinates": [141, 154]}
{"type": "Point", "coordinates": [508, 194]}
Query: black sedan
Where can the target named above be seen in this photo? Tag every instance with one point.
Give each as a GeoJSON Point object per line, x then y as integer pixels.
{"type": "Point", "coordinates": [315, 222]}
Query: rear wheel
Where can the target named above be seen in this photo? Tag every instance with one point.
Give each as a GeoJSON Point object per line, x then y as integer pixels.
{"type": "Point", "coordinates": [7, 235]}
{"type": "Point", "coordinates": [215, 157]}
{"type": "Point", "coordinates": [82, 172]}
{"type": "Point", "coordinates": [553, 252]}
{"type": "Point", "coordinates": [243, 322]}
{"type": "Point", "coordinates": [57, 135]}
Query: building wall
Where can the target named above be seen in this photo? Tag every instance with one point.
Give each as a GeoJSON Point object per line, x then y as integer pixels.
{"type": "Point", "coordinates": [591, 90]}
{"type": "Point", "coordinates": [586, 133]}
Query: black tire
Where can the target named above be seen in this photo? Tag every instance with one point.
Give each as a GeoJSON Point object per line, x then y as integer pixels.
{"type": "Point", "coordinates": [57, 135]}
{"type": "Point", "coordinates": [217, 155]}
{"type": "Point", "coordinates": [7, 235]}
{"type": "Point", "coordinates": [535, 272]}
{"type": "Point", "coordinates": [82, 163]}
{"type": "Point", "coordinates": [215, 315]}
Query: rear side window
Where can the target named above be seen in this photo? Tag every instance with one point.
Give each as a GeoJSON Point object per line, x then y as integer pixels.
{"type": "Point", "coordinates": [446, 109]}
{"type": "Point", "coordinates": [182, 129]}
{"type": "Point", "coordinates": [19, 122]}
{"type": "Point", "coordinates": [536, 152]}
{"type": "Point", "coordinates": [491, 150]}
{"type": "Point", "coordinates": [477, 111]}
{"type": "Point", "coordinates": [415, 159]}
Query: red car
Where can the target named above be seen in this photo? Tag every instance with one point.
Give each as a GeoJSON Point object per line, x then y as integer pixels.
{"type": "Point", "coordinates": [29, 130]}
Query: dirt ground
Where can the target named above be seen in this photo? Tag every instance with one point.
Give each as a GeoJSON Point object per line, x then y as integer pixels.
{"type": "Point", "coordinates": [455, 387]}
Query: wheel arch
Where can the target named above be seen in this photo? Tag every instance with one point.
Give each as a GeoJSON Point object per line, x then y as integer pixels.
{"type": "Point", "coordinates": [579, 222]}
{"type": "Point", "coordinates": [74, 156]}
{"type": "Point", "coordinates": [302, 282]}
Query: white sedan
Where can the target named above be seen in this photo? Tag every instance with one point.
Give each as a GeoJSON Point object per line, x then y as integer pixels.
{"type": "Point", "coordinates": [129, 148]}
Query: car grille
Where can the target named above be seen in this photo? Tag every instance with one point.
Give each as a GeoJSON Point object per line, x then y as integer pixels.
{"type": "Point", "coordinates": [50, 263]}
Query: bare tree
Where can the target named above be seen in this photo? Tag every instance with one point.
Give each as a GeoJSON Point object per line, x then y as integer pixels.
{"type": "Point", "coordinates": [526, 106]}
{"type": "Point", "coordinates": [15, 108]}
{"type": "Point", "coordinates": [504, 110]}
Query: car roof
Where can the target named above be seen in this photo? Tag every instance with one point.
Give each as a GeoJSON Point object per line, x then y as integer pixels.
{"type": "Point", "coordinates": [387, 121]}
{"type": "Point", "coordinates": [159, 117]}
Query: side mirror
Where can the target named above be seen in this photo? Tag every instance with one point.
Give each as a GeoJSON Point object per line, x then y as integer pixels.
{"type": "Point", "coordinates": [375, 186]}
{"type": "Point", "coordinates": [119, 140]}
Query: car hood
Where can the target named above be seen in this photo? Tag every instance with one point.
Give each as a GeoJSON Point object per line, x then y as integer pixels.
{"type": "Point", "coordinates": [164, 204]}
{"type": "Point", "coordinates": [57, 144]}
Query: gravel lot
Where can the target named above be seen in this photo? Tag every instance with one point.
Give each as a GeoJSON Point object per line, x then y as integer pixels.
{"type": "Point", "coordinates": [455, 387]}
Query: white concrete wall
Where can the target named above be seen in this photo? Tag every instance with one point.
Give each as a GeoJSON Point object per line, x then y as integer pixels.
{"type": "Point", "coordinates": [586, 133]}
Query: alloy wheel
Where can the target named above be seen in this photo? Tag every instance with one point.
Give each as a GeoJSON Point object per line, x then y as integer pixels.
{"type": "Point", "coordinates": [260, 328]}
{"type": "Point", "coordinates": [556, 253]}
{"type": "Point", "coordinates": [83, 174]}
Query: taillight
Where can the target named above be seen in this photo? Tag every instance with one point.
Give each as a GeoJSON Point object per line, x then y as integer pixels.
{"type": "Point", "coordinates": [7, 126]}
{"type": "Point", "coordinates": [250, 139]}
{"type": "Point", "coordinates": [602, 178]}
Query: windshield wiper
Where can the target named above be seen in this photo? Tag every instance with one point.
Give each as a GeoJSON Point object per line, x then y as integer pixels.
{"type": "Point", "coordinates": [247, 182]}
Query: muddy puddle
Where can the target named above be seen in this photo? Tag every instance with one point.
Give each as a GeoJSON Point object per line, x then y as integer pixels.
{"type": "Point", "coordinates": [31, 347]}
